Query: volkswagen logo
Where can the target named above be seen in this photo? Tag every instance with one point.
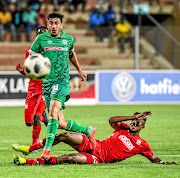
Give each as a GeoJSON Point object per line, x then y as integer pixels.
{"type": "Point", "coordinates": [123, 87]}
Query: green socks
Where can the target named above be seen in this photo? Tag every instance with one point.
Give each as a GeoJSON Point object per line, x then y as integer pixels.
{"type": "Point", "coordinates": [50, 134]}
{"type": "Point", "coordinates": [75, 127]}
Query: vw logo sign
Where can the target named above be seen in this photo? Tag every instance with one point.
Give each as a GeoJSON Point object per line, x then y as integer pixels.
{"type": "Point", "coordinates": [123, 87]}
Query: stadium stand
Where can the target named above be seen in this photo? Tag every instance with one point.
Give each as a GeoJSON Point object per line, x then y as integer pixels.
{"type": "Point", "coordinates": [92, 54]}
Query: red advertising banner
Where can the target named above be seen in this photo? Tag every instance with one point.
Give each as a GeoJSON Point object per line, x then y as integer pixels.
{"type": "Point", "coordinates": [82, 89]}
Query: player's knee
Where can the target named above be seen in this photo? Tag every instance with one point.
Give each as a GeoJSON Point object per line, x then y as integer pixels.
{"type": "Point", "coordinates": [54, 112]}
{"type": "Point", "coordinates": [29, 124]}
{"type": "Point", "coordinates": [36, 118]}
{"type": "Point", "coordinates": [72, 158]}
{"type": "Point", "coordinates": [54, 115]}
{"type": "Point", "coordinates": [63, 123]}
{"type": "Point", "coordinates": [63, 136]}
{"type": "Point", "coordinates": [68, 158]}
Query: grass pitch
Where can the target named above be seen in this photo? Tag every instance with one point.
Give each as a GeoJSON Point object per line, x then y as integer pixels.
{"type": "Point", "coordinates": [162, 132]}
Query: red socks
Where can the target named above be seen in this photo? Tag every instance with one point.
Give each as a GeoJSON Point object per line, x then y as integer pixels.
{"type": "Point", "coordinates": [37, 145]}
{"type": "Point", "coordinates": [35, 134]}
{"type": "Point", "coordinates": [41, 144]}
{"type": "Point", "coordinates": [52, 161]}
{"type": "Point", "coordinates": [35, 161]}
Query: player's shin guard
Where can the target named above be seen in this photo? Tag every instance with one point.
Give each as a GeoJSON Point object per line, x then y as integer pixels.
{"type": "Point", "coordinates": [35, 134]}
{"type": "Point", "coordinates": [75, 127]}
{"type": "Point", "coordinates": [50, 134]}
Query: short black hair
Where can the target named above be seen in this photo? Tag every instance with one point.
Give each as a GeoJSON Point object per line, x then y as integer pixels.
{"type": "Point", "coordinates": [139, 113]}
{"type": "Point", "coordinates": [55, 15]}
{"type": "Point", "coordinates": [37, 30]}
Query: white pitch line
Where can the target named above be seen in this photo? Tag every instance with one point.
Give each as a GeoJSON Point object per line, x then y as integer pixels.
{"type": "Point", "coordinates": [5, 148]}
{"type": "Point", "coordinates": [8, 141]}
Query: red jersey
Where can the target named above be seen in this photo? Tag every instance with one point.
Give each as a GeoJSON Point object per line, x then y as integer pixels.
{"type": "Point", "coordinates": [34, 87]}
{"type": "Point", "coordinates": [121, 145]}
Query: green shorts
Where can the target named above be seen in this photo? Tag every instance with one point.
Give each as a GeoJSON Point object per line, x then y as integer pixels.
{"type": "Point", "coordinates": [56, 91]}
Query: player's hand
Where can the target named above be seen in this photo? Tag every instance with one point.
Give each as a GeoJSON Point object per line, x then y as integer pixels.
{"type": "Point", "coordinates": [143, 114]}
{"type": "Point", "coordinates": [19, 67]}
{"type": "Point", "coordinates": [83, 75]}
{"type": "Point", "coordinates": [147, 113]}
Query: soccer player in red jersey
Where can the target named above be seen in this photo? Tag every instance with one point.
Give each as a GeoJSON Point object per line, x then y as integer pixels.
{"type": "Point", "coordinates": [35, 103]}
{"type": "Point", "coordinates": [123, 143]}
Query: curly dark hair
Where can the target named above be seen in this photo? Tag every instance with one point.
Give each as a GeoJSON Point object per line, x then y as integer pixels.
{"type": "Point", "coordinates": [55, 15]}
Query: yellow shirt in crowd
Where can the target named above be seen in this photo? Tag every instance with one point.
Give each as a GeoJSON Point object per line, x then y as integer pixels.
{"type": "Point", "coordinates": [5, 17]}
{"type": "Point", "coordinates": [123, 30]}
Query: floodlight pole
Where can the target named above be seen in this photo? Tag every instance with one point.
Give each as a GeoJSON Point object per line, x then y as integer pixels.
{"type": "Point", "coordinates": [136, 64]}
{"type": "Point", "coordinates": [137, 37]}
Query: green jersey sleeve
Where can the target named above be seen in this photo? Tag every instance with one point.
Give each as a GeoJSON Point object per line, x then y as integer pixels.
{"type": "Point", "coordinates": [72, 44]}
{"type": "Point", "coordinates": [36, 46]}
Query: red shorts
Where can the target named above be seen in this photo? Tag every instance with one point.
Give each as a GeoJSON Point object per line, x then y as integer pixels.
{"type": "Point", "coordinates": [84, 148]}
{"type": "Point", "coordinates": [35, 104]}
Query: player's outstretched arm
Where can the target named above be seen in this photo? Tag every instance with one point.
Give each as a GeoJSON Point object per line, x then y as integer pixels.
{"type": "Point", "coordinates": [116, 119]}
{"type": "Point", "coordinates": [155, 159]}
{"type": "Point", "coordinates": [74, 61]}
{"type": "Point", "coordinates": [20, 68]}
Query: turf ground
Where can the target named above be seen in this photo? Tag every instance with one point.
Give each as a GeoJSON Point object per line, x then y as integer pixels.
{"type": "Point", "coordinates": [162, 132]}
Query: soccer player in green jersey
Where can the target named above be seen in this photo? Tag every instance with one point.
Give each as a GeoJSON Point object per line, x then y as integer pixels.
{"type": "Point", "coordinates": [59, 48]}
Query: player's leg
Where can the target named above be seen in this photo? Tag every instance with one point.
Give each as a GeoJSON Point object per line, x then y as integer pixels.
{"type": "Point", "coordinates": [52, 127]}
{"type": "Point", "coordinates": [73, 139]}
{"type": "Point", "coordinates": [28, 117]}
{"type": "Point", "coordinates": [28, 149]}
{"type": "Point", "coordinates": [61, 93]}
{"type": "Point", "coordinates": [42, 104]}
{"type": "Point", "coordinates": [28, 111]}
{"type": "Point", "coordinates": [70, 125]}
{"type": "Point", "coordinates": [72, 158]}
{"type": "Point", "coordinates": [38, 111]}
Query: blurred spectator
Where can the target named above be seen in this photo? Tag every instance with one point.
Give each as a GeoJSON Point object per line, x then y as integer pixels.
{"type": "Point", "coordinates": [69, 6]}
{"type": "Point", "coordinates": [110, 16]}
{"type": "Point", "coordinates": [123, 34]}
{"type": "Point", "coordinates": [110, 21]}
{"type": "Point", "coordinates": [5, 23]}
{"type": "Point", "coordinates": [96, 17]}
{"type": "Point", "coordinates": [12, 9]}
{"type": "Point", "coordinates": [76, 3]}
{"type": "Point", "coordinates": [17, 21]}
{"type": "Point", "coordinates": [41, 18]}
{"type": "Point", "coordinates": [35, 4]}
{"type": "Point", "coordinates": [13, 2]}
{"type": "Point", "coordinates": [22, 4]}
{"type": "Point", "coordinates": [57, 4]}
{"type": "Point", "coordinates": [97, 23]}
{"type": "Point", "coordinates": [103, 4]}
{"type": "Point", "coordinates": [29, 19]}
{"type": "Point", "coordinates": [3, 3]}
